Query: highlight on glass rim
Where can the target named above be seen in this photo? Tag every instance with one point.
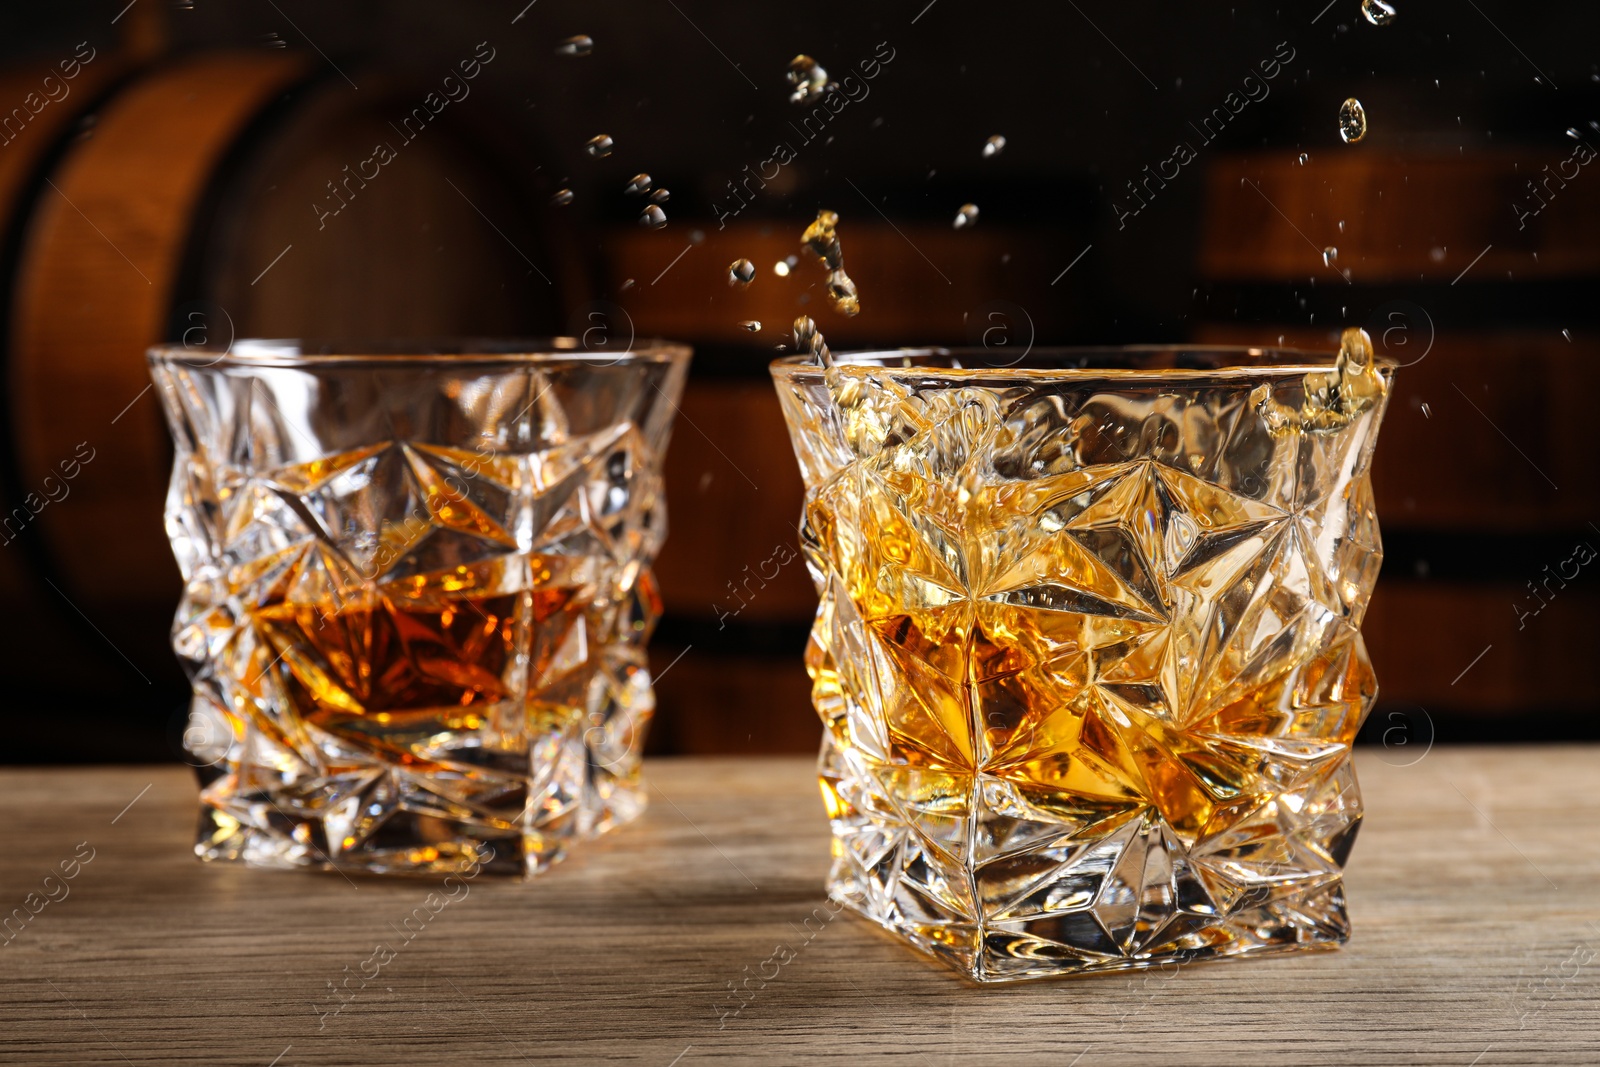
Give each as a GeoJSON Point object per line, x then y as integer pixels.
{"type": "Point", "coordinates": [695, 532]}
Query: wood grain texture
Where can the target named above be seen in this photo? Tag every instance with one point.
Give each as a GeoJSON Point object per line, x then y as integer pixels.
{"type": "Point", "coordinates": [1477, 941]}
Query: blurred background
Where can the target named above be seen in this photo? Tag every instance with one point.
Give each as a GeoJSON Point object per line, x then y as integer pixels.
{"type": "Point", "coordinates": [197, 171]}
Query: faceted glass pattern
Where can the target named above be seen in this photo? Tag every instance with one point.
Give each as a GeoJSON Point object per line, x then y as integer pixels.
{"type": "Point", "coordinates": [417, 596]}
{"type": "Point", "coordinates": [1087, 651]}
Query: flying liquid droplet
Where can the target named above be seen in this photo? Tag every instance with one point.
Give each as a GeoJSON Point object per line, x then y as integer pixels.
{"type": "Point", "coordinates": [1303, 158]}
{"type": "Point", "coordinates": [660, 196]}
{"type": "Point", "coordinates": [653, 217]}
{"type": "Point", "coordinates": [625, 286]}
{"type": "Point", "coordinates": [781, 269]}
{"type": "Point", "coordinates": [599, 147]}
{"type": "Point", "coordinates": [1378, 13]}
{"type": "Point", "coordinates": [808, 340]}
{"type": "Point", "coordinates": [1568, 335]}
{"type": "Point", "coordinates": [1341, 225]}
{"type": "Point", "coordinates": [750, 324]}
{"type": "Point", "coordinates": [822, 241]}
{"type": "Point", "coordinates": [1427, 412]}
{"type": "Point", "coordinates": [637, 185]}
{"type": "Point", "coordinates": [1436, 254]}
{"type": "Point", "coordinates": [967, 216]}
{"type": "Point", "coordinates": [994, 146]}
{"type": "Point", "coordinates": [272, 40]}
{"type": "Point", "coordinates": [809, 79]}
{"type": "Point", "coordinates": [1352, 121]}
{"type": "Point", "coordinates": [1332, 397]}
{"type": "Point", "coordinates": [1573, 133]}
{"type": "Point", "coordinates": [842, 291]}
{"type": "Point", "coordinates": [562, 196]}
{"type": "Point", "coordinates": [740, 272]}
{"type": "Point", "coordinates": [581, 45]}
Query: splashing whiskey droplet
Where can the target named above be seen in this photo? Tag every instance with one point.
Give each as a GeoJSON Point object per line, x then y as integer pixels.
{"type": "Point", "coordinates": [581, 45]}
{"type": "Point", "coordinates": [808, 341]}
{"type": "Point", "coordinates": [842, 291]}
{"type": "Point", "coordinates": [1329, 255]}
{"type": "Point", "coordinates": [653, 218]}
{"type": "Point", "coordinates": [660, 196]}
{"type": "Point", "coordinates": [637, 185]}
{"type": "Point", "coordinates": [740, 272]}
{"type": "Point", "coordinates": [994, 146]}
{"type": "Point", "coordinates": [1352, 121]}
{"type": "Point", "coordinates": [821, 239]}
{"type": "Point", "coordinates": [1377, 12]}
{"type": "Point", "coordinates": [562, 196]}
{"type": "Point", "coordinates": [1303, 158]}
{"type": "Point", "coordinates": [1332, 398]}
{"type": "Point", "coordinates": [808, 77]}
{"type": "Point", "coordinates": [966, 216]}
{"type": "Point", "coordinates": [599, 147]}
{"type": "Point", "coordinates": [750, 324]}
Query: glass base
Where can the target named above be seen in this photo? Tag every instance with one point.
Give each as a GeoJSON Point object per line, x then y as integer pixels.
{"type": "Point", "coordinates": [1004, 883]}
{"type": "Point", "coordinates": [383, 819]}
{"type": "Point", "coordinates": [1043, 948]}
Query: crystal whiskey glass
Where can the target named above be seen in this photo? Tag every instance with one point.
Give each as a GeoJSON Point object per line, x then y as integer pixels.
{"type": "Point", "coordinates": [417, 593]}
{"type": "Point", "coordinates": [1087, 650]}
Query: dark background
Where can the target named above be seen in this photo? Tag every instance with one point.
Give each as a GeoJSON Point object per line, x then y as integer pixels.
{"type": "Point", "coordinates": [1485, 477]}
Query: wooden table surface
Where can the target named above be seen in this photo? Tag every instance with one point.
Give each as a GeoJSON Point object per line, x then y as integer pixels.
{"type": "Point", "coordinates": [1474, 891]}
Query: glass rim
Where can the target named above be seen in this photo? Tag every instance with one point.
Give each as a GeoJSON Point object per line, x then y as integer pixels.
{"type": "Point", "coordinates": [1165, 362]}
{"type": "Point", "coordinates": [414, 352]}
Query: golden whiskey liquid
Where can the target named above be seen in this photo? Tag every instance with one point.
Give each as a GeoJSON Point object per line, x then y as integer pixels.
{"type": "Point", "coordinates": [422, 663]}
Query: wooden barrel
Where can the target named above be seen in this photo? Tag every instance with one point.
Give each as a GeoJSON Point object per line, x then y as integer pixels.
{"type": "Point", "coordinates": [1485, 478]}
{"type": "Point", "coordinates": [208, 198]}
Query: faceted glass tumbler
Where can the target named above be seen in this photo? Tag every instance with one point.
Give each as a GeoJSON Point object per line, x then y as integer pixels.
{"type": "Point", "coordinates": [1087, 652]}
{"type": "Point", "coordinates": [417, 593]}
